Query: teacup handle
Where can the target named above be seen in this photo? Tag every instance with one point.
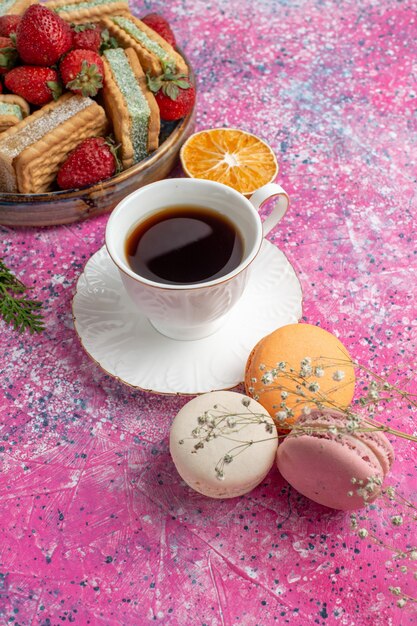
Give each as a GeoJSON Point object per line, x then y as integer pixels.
{"type": "Point", "coordinates": [263, 194]}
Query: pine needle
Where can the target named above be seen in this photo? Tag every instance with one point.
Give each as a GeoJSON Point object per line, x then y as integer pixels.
{"type": "Point", "coordinates": [15, 307]}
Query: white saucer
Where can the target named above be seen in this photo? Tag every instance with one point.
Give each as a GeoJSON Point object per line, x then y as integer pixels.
{"type": "Point", "coordinates": [124, 344]}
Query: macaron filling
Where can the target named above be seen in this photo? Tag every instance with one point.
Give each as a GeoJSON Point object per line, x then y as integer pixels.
{"type": "Point", "coordinates": [136, 103]}
{"type": "Point", "coordinates": [11, 109]}
{"type": "Point", "coordinates": [131, 29]}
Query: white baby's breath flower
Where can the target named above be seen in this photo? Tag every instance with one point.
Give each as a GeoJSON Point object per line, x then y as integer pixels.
{"type": "Point", "coordinates": [306, 410]}
{"type": "Point", "coordinates": [413, 555]}
{"type": "Point", "coordinates": [305, 371]}
{"type": "Point", "coordinates": [401, 603]}
{"type": "Point", "coordinates": [396, 520]}
{"type": "Point", "coordinates": [396, 591]}
{"type": "Point", "coordinates": [319, 372]}
{"type": "Point", "coordinates": [338, 375]}
{"type": "Point", "coordinates": [314, 387]}
{"type": "Point", "coordinates": [362, 532]}
{"type": "Point", "coordinates": [267, 378]}
{"type": "Point", "coordinates": [281, 415]}
{"type": "Point", "coordinates": [284, 394]}
{"type": "Point", "coordinates": [219, 474]}
{"type": "Point", "coordinates": [390, 491]}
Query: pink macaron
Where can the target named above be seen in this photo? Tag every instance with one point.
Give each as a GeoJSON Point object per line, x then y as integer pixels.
{"type": "Point", "coordinates": [332, 465]}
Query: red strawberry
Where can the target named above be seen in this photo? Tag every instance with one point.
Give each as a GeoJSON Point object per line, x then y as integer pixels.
{"type": "Point", "coordinates": [174, 94]}
{"type": "Point", "coordinates": [171, 109]}
{"type": "Point", "coordinates": [82, 72]}
{"type": "Point", "coordinates": [37, 85]}
{"type": "Point", "coordinates": [92, 160]}
{"type": "Point", "coordinates": [8, 24]}
{"type": "Point", "coordinates": [161, 26]}
{"type": "Point", "coordinates": [42, 37]}
{"type": "Point", "coordinates": [86, 37]}
{"type": "Point", "coordinates": [8, 55]}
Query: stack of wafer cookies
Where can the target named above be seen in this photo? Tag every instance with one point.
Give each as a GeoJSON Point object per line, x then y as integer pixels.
{"type": "Point", "coordinates": [152, 50]}
{"type": "Point", "coordinates": [79, 11]}
{"type": "Point", "coordinates": [130, 105]}
{"type": "Point", "coordinates": [36, 140]}
{"type": "Point", "coordinates": [32, 151]}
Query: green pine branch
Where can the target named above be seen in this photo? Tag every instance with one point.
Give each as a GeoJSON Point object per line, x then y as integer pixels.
{"type": "Point", "coordinates": [16, 308]}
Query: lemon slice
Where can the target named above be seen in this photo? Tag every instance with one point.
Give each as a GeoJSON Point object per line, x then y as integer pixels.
{"type": "Point", "coordinates": [229, 156]}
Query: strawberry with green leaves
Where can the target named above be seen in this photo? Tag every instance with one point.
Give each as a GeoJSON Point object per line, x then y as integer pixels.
{"type": "Point", "coordinates": [160, 26]}
{"type": "Point", "coordinates": [8, 55]}
{"type": "Point", "coordinates": [174, 93]}
{"type": "Point", "coordinates": [42, 37]}
{"type": "Point", "coordinates": [37, 85]}
{"type": "Point", "coordinates": [86, 37]}
{"type": "Point", "coordinates": [82, 72]}
{"type": "Point", "coordinates": [92, 161]}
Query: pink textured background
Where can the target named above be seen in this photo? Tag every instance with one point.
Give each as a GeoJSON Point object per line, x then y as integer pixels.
{"type": "Point", "coordinates": [96, 526]}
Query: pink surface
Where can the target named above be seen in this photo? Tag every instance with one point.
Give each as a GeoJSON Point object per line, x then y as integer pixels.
{"type": "Point", "coordinates": [96, 526]}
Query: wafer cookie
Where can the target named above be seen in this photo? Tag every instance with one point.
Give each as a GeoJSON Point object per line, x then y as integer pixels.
{"type": "Point", "coordinates": [32, 151]}
{"type": "Point", "coordinates": [12, 110]}
{"type": "Point", "coordinates": [80, 11]}
{"type": "Point", "coordinates": [130, 105]}
{"type": "Point", "coordinates": [153, 51]}
{"type": "Point", "coordinates": [14, 7]}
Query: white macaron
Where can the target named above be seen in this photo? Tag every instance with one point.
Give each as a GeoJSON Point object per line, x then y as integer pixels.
{"type": "Point", "coordinates": [223, 444]}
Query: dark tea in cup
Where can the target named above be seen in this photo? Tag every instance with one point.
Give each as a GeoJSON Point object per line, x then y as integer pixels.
{"type": "Point", "coordinates": [186, 279]}
{"type": "Point", "coordinates": [182, 245]}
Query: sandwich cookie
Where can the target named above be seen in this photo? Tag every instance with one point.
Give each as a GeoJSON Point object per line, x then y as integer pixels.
{"type": "Point", "coordinates": [296, 366]}
{"type": "Point", "coordinates": [32, 151]}
{"type": "Point", "coordinates": [14, 7]}
{"type": "Point", "coordinates": [333, 465]}
{"type": "Point", "coordinates": [80, 11]}
{"type": "Point", "coordinates": [223, 444]}
{"type": "Point", "coordinates": [153, 51]}
{"type": "Point", "coordinates": [12, 110]}
{"type": "Point", "coordinates": [130, 105]}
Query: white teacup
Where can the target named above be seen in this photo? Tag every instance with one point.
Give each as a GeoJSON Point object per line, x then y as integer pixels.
{"type": "Point", "coordinates": [191, 311]}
